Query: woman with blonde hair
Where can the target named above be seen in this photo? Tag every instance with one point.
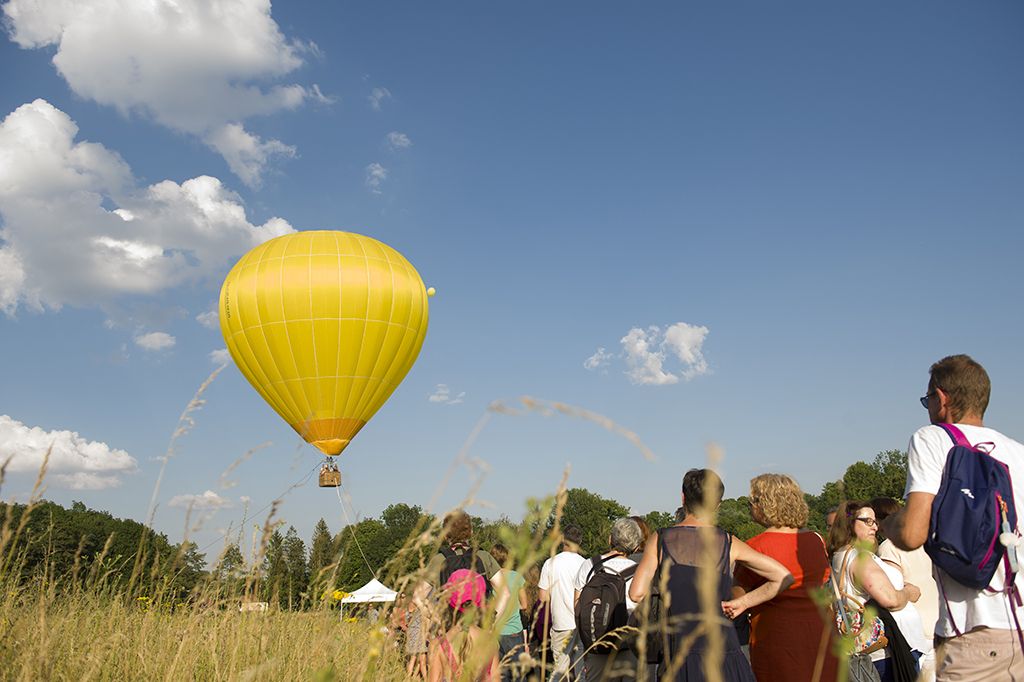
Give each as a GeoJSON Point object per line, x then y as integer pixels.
{"type": "Point", "coordinates": [790, 638]}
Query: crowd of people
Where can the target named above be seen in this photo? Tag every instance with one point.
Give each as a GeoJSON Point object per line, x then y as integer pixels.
{"type": "Point", "coordinates": [779, 603]}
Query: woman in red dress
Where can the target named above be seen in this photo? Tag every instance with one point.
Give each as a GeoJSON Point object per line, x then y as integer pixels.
{"type": "Point", "coordinates": [790, 636]}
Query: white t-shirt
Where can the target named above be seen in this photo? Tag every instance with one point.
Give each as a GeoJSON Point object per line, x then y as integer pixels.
{"type": "Point", "coordinates": [926, 458]}
{"type": "Point", "coordinates": [615, 564]}
{"type": "Point", "coordinates": [557, 576]}
{"type": "Point", "coordinates": [916, 568]}
{"type": "Point", "coordinates": [908, 619]}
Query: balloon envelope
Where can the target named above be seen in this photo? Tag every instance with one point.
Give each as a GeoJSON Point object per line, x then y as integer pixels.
{"type": "Point", "coordinates": [325, 325]}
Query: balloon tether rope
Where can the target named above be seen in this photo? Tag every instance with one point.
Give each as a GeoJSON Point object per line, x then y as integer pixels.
{"type": "Point", "coordinates": [353, 527]}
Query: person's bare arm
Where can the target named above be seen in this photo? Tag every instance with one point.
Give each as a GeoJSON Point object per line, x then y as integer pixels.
{"type": "Point", "coordinates": [501, 590]}
{"type": "Point", "coordinates": [872, 579]}
{"type": "Point", "coordinates": [641, 585]}
{"type": "Point", "coordinates": [435, 664]}
{"type": "Point", "coordinates": [908, 528]}
{"type": "Point", "coordinates": [777, 578]}
{"type": "Point", "coordinates": [524, 600]}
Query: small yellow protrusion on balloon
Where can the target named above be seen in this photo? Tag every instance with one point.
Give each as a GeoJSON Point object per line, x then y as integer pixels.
{"type": "Point", "coordinates": [431, 291]}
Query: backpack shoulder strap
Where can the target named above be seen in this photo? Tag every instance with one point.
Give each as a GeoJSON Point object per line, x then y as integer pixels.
{"type": "Point", "coordinates": [447, 551]}
{"type": "Point", "coordinates": [628, 572]}
{"type": "Point", "coordinates": [956, 434]}
{"type": "Point", "coordinates": [595, 565]}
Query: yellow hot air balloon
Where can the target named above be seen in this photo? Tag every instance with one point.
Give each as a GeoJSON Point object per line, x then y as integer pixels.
{"type": "Point", "coordinates": [325, 325]}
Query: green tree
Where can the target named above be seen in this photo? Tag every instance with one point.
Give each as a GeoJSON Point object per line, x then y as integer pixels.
{"type": "Point", "coordinates": [363, 539]}
{"type": "Point", "coordinates": [656, 520]}
{"type": "Point", "coordinates": [321, 560]}
{"type": "Point", "coordinates": [734, 517]}
{"type": "Point", "coordinates": [593, 514]}
{"type": "Point", "coordinates": [296, 568]}
{"type": "Point", "coordinates": [230, 571]}
{"type": "Point", "coordinates": [885, 476]}
{"type": "Point", "coordinates": [187, 569]}
{"type": "Point", "coordinates": [275, 571]}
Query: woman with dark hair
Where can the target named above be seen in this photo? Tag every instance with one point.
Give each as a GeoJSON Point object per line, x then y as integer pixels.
{"type": "Point", "coordinates": [681, 549]}
{"type": "Point", "coordinates": [790, 636]}
{"type": "Point", "coordinates": [862, 577]}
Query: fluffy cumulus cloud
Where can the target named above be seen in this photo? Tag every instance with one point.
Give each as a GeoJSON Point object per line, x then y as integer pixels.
{"type": "Point", "coordinates": [208, 500]}
{"type": "Point", "coordinates": [443, 394]}
{"type": "Point", "coordinates": [376, 174]}
{"type": "Point", "coordinates": [74, 462]}
{"type": "Point", "coordinates": [197, 66]}
{"type": "Point", "coordinates": [155, 341]}
{"type": "Point", "coordinates": [79, 229]}
{"type": "Point", "coordinates": [397, 141]}
{"type": "Point", "coordinates": [648, 350]}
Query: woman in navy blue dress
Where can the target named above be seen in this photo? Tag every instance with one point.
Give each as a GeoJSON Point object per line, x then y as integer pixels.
{"type": "Point", "coordinates": [679, 551]}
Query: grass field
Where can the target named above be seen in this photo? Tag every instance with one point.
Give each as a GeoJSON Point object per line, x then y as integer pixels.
{"type": "Point", "coordinates": [102, 637]}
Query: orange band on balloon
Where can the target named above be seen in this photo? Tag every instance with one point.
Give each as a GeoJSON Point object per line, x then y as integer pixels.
{"type": "Point", "coordinates": [330, 436]}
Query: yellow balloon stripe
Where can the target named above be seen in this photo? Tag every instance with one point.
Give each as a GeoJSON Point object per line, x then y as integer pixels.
{"type": "Point", "coordinates": [324, 325]}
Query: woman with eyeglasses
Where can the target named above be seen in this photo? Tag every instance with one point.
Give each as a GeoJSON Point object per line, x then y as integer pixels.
{"type": "Point", "coordinates": [862, 578]}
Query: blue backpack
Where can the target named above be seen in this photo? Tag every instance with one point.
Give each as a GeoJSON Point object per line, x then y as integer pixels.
{"type": "Point", "coordinates": [973, 507]}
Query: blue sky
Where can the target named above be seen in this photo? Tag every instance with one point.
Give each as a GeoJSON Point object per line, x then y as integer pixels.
{"type": "Point", "coordinates": [771, 217]}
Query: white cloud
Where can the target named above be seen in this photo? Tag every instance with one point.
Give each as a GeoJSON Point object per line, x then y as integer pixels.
{"type": "Point", "coordinates": [246, 154]}
{"type": "Point", "coordinates": [376, 174]}
{"type": "Point", "coordinates": [155, 341]}
{"type": "Point", "coordinates": [220, 356]}
{"type": "Point", "coordinates": [685, 341]}
{"type": "Point", "coordinates": [646, 350]}
{"type": "Point", "coordinates": [377, 96]}
{"type": "Point", "coordinates": [599, 359]}
{"type": "Point", "coordinates": [75, 462]}
{"type": "Point", "coordinates": [443, 394]}
{"type": "Point", "coordinates": [86, 481]}
{"type": "Point", "coordinates": [196, 66]}
{"type": "Point", "coordinates": [398, 141]}
{"type": "Point", "coordinates": [644, 361]}
{"type": "Point", "coordinates": [209, 319]}
{"type": "Point", "coordinates": [60, 245]}
{"type": "Point", "coordinates": [207, 500]}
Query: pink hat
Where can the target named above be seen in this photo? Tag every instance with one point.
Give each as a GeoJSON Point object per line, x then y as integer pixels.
{"type": "Point", "coordinates": [466, 588]}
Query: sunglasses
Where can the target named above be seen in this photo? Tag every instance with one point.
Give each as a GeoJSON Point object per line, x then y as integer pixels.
{"type": "Point", "coordinates": [924, 398]}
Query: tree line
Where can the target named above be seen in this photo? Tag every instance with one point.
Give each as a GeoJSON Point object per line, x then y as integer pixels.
{"type": "Point", "coordinates": [286, 571]}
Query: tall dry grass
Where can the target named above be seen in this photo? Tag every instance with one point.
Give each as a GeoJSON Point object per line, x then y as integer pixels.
{"type": "Point", "coordinates": [83, 626]}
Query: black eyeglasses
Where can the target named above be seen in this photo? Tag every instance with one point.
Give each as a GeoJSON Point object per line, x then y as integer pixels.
{"type": "Point", "coordinates": [867, 521]}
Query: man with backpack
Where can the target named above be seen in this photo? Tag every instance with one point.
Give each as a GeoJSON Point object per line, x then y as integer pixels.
{"type": "Point", "coordinates": [603, 605]}
{"type": "Point", "coordinates": [961, 478]}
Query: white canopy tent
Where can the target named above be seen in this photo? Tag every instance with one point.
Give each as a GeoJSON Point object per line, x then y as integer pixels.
{"type": "Point", "coordinates": [373, 591]}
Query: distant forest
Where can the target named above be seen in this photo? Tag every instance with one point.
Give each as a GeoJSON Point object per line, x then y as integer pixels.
{"type": "Point", "coordinates": [89, 546]}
